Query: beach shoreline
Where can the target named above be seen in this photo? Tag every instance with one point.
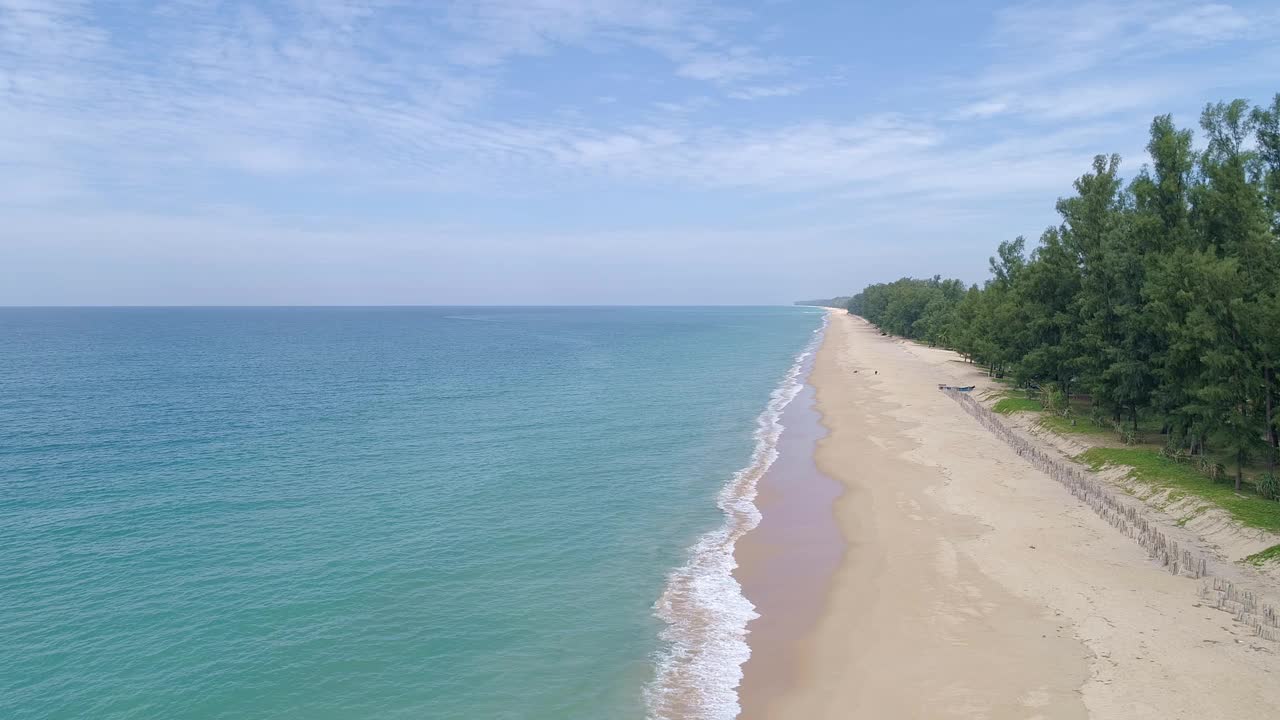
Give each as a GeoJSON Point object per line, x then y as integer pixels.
{"type": "Point", "coordinates": [972, 585]}
{"type": "Point", "coordinates": [706, 613]}
{"type": "Point", "coordinates": [786, 563]}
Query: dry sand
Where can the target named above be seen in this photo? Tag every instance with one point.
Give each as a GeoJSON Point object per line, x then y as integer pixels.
{"type": "Point", "coordinates": [973, 586]}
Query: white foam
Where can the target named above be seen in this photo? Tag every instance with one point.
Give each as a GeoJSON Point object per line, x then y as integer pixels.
{"type": "Point", "coordinates": [705, 640]}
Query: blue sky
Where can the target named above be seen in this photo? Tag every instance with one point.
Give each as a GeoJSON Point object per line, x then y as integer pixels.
{"type": "Point", "coordinates": [568, 151]}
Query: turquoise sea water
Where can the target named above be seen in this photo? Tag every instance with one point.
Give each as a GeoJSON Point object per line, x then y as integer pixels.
{"type": "Point", "coordinates": [365, 512]}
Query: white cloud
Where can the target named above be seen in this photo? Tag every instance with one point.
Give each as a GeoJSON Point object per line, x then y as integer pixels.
{"type": "Point", "coordinates": [732, 66]}
{"type": "Point", "coordinates": [757, 92]}
{"type": "Point", "coordinates": [1057, 62]}
{"type": "Point", "coordinates": [370, 99]}
{"type": "Point", "coordinates": [984, 108]}
{"type": "Point", "coordinates": [383, 92]}
{"type": "Point", "coordinates": [1204, 24]}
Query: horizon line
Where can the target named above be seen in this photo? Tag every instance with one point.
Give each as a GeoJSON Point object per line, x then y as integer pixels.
{"type": "Point", "coordinates": [405, 305]}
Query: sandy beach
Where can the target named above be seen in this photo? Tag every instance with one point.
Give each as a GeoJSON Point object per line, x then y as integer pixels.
{"type": "Point", "coordinates": [971, 585]}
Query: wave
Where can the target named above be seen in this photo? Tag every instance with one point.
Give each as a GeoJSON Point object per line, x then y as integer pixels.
{"type": "Point", "coordinates": [705, 639]}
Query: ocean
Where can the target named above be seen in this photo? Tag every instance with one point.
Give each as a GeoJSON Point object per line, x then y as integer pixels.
{"type": "Point", "coordinates": [381, 512]}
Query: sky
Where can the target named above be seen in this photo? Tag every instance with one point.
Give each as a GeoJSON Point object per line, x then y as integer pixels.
{"type": "Point", "coordinates": [569, 151]}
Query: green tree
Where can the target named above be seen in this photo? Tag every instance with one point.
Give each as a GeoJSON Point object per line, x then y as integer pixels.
{"type": "Point", "coordinates": [1161, 297]}
{"type": "Point", "coordinates": [1164, 236]}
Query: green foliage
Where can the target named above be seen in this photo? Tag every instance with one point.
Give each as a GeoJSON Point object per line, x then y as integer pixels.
{"type": "Point", "coordinates": [1152, 467]}
{"type": "Point", "coordinates": [1010, 405]}
{"type": "Point", "coordinates": [1271, 554]}
{"type": "Point", "coordinates": [1269, 486]}
{"type": "Point", "coordinates": [1267, 123]}
{"type": "Point", "coordinates": [1075, 425]}
{"type": "Point", "coordinates": [1056, 399]}
{"type": "Point", "coordinates": [917, 309]}
{"type": "Point", "coordinates": [1159, 299]}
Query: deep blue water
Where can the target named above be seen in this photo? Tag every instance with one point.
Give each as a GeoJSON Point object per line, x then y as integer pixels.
{"type": "Point", "coordinates": [360, 512]}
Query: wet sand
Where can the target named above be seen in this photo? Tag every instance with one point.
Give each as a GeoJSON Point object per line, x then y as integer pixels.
{"type": "Point", "coordinates": [786, 563]}
{"type": "Point", "coordinates": [968, 584]}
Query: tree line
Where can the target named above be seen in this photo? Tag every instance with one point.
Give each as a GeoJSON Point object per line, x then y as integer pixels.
{"type": "Point", "coordinates": [1158, 297]}
{"type": "Point", "coordinates": [835, 302]}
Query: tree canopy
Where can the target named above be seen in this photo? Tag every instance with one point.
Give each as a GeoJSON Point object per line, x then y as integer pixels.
{"type": "Point", "coordinates": [1159, 296]}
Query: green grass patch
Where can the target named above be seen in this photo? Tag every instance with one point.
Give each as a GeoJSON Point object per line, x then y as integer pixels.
{"type": "Point", "coordinates": [1149, 466]}
{"type": "Point", "coordinates": [1075, 425]}
{"type": "Point", "coordinates": [1082, 420]}
{"type": "Point", "coordinates": [1017, 404]}
{"type": "Point", "coordinates": [1271, 554]}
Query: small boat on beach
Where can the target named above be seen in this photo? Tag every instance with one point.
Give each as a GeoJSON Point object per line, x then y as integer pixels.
{"type": "Point", "coordinates": [959, 388]}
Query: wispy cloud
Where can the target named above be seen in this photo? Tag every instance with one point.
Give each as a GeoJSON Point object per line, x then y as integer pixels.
{"type": "Point", "coordinates": [757, 92]}
{"type": "Point", "coordinates": [387, 93]}
{"type": "Point", "coordinates": [734, 64]}
{"type": "Point", "coordinates": [373, 89]}
{"type": "Point", "coordinates": [218, 113]}
{"type": "Point", "coordinates": [1064, 60]}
